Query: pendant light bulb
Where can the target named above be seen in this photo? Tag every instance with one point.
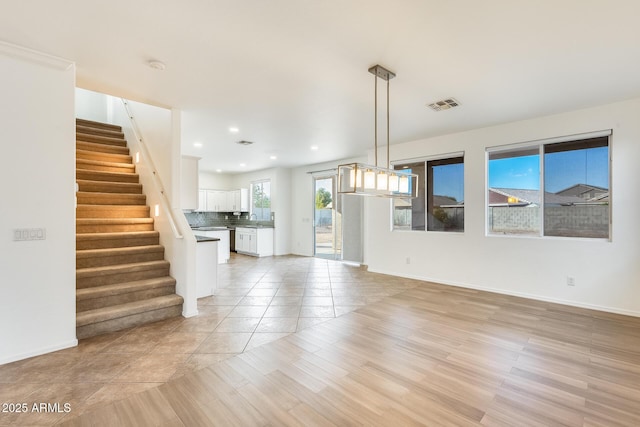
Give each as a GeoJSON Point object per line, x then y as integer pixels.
{"type": "Point", "coordinates": [393, 182]}
{"type": "Point", "coordinates": [381, 181]}
{"type": "Point", "coordinates": [403, 186]}
{"type": "Point", "coordinates": [355, 177]}
{"type": "Point", "coordinates": [369, 179]}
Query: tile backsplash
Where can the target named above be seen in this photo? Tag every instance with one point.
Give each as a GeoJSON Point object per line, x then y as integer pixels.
{"type": "Point", "coordinates": [220, 219]}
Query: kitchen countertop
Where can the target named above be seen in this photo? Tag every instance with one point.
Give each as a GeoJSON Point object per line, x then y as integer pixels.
{"type": "Point", "coordinates": [210, 228]}
{"type": "Point", "coordinates": [230, 227]}
{"type": "Point", "coordinates": [200, 239]}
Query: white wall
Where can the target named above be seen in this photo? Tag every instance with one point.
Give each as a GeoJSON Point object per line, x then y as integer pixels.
{"type": "Point", "coordinates": [154, 125]}
{"type": "Point", "coordinates": [91, 106]}
{"type": "Point", "coordinates": [280, 202]}
{"type": "Point", "coordinates": [216, 181]}
{"type": "Point", "coordinates": [303, 202]}
{"type": "Point", "coordinates": [37, 136]}
{"type": "Point", "coordinates": [606, 273]}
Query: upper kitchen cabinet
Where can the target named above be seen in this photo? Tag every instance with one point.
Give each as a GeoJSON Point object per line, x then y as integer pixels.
{"type": "Point", "coordinates": [238, 200]}
{"type": "Point", "coordinates": [217, 201]}
{"type": "Point", "coordinates": [189, 183]}
{"type": "Point", "coordinates": [223, 200]}
{"type": "Point", "coordinates": [202, 201]}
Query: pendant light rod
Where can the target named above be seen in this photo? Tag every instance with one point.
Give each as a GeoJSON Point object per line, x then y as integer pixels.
{"type": "Point", "coordinates": [379, 71]}
{"type": "Point", "coordinates": [375, 116]}
{"type": "Point", "coordinates": [388, 163]}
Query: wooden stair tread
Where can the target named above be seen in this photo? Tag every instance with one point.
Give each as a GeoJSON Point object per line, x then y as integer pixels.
{"type": "Point", "coordinates": [123, 288]}
{"type": "Point", "coordinates": [113, 221]}
{"type": "Point", "coordinates": [123, 310]}
{"type": "Point", "coordinates": [99, 139]}
{"type": "Point", "coordinates": [97, 155]}
{"type": "Point", "coordinates": [94, 198]}
{"type": "Point", "coordinates": [119, 268]}
{"type": "Point", "coordinates": [91, 162]}
{"type": "Point", "coordinates": [112, 211]}
{"type": "Point", "coordinates": [99, 131]}
{"type": "Point", "coordinates": [117, 234]}
{"type": "Point", "coordinates": [88, 185]}
{"type": "Point", "coordinates": [98, 125]}
{"type": "Point", "coordinates": [101, 148]}
{"type": "Point", "coordinates": [128, 250]}
{"type": "Point", "coordinates": [92, 175]}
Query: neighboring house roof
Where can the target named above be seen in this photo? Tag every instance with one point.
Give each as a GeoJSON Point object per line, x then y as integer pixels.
{"type": "Point", "coordinates": [444, 200]}
{"type": "Point", "coordinates": [604, 197]}
{"type": "Point", "coordinates": [578, 189]}
{"type": "Point", "coordinates": [522, 195]}
{"type": "Point", "coordinates": [532, 197]}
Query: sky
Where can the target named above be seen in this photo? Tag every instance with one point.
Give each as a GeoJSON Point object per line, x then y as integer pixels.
{"type": "Point", "coordinates": [562, 170]}
{"type": "Point", "coordinates": [448, 180]}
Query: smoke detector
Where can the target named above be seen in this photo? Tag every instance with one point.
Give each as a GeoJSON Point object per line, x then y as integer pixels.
{"type": "Point", "coordinates": [157, 65]}
{"type": "Point", "coordinates": [445, 104]}
{"type": "Point", "coordinates": [243, 142]}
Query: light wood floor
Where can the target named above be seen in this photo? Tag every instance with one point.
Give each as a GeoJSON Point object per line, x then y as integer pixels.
{"type": "Point", "coordinates": [430, 355]}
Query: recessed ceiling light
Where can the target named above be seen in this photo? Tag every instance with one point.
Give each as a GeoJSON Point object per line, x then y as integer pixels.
{"type": "Point", "coordinates": [273, 157]}
{"type": "Point", "coordinates": [157, 65]}
{"type": "Point", "coordinates": [314, 147]}
{"type": "Point", "coordinates": [218, 170]}
{"type": "Point", "coordinates": [243, 165]}
{"type": "Point", "coordinates": [234, 130]}
{"type": "Point", "coordinates": [197, 144]}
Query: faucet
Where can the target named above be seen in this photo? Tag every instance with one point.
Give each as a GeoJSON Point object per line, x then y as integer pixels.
{"type": "Point", "coordinates": [255, 217]}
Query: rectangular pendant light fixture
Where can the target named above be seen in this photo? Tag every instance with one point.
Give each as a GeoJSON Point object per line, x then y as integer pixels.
{"type": "Point", "coordinates": [378, 181]}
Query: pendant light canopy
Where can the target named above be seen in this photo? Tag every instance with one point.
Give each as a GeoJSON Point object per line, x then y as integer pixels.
{"type": "Point", "coordinates": [366, 180]}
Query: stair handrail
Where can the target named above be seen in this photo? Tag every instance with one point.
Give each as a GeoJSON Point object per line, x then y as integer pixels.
{"type": "Point", "coordinates": [157, 181]}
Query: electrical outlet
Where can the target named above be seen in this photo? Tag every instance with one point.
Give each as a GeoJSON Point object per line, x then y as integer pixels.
{"type": "Point", "coordinates": [571, 281]}
{"type": "Point", "coordinates": [408, 260]}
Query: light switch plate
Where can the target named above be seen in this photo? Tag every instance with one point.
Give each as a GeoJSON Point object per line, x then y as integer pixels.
{"type": "Point", "coordinates": [23, 234]}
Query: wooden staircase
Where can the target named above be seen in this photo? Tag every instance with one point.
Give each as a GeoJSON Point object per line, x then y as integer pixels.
{"type": "Point", "coordinates": [122, 279]}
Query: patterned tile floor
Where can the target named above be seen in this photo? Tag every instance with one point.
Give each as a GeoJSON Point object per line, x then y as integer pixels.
{"type": "Point", "coordinates": [258, 300]}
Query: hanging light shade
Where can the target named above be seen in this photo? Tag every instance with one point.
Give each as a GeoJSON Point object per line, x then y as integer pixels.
{"type": "Point", "coordinates": [369, 180]}
{"type": "Point", "coordinates": [378, 181]}
{"type": "Point", "coordinates": [394, 182]}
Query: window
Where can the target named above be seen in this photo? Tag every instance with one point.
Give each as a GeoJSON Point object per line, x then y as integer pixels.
{"type": "Point", "coordinates": [551, 189]}
{"type": "Point", "coordinates": [440, 202]}
{"type": "Point", "coordinates": [445, 194]}
{"type": "Point", "coordinates": [261, 200]}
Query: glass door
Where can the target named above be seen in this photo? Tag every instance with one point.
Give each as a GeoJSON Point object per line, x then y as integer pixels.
{"type": "Point", "coordinates": [327, 220]}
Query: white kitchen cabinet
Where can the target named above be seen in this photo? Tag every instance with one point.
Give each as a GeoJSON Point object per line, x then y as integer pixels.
{"type": "Point", "coordinates": [238, 200]}
{"type": "Point", "coordinates": [254, 241]}
{"type": "Point", "coordinates": [223, 200]}
{"type": "Point", "coordinates": [189, 183]}
{"type": "Point", "coordinates": [224, 248]}
{"type": "Point", "coordinates": [202, 200]}
{"type": "Point", "coordinates": [216, 201]}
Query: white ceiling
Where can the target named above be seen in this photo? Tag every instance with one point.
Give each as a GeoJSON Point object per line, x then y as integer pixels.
{"type": "Point", "coordinates": [291, 74]}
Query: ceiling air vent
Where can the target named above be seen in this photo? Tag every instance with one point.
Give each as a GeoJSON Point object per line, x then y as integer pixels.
{"type": "Point", "coordinates": [445, 104]}
{"type": "Point", "coordinates": [243, 142]}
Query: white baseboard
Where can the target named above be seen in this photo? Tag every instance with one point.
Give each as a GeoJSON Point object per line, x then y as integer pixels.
{"type": "Point", "coordinates": [188, 314]}
{"type": "Point", "coordinates": [39, 352]}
